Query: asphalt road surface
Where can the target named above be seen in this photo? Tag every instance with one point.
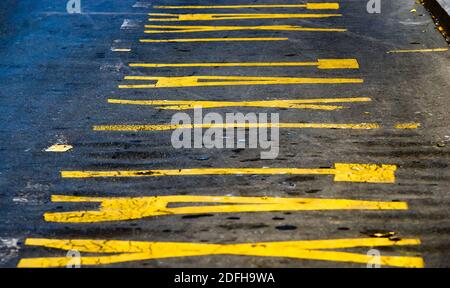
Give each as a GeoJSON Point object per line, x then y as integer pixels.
{"type": "Point", "coordinates": [87, 164]}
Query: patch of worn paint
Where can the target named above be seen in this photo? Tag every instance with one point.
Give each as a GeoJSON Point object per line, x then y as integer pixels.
{"type": "Point", "coordinates": [59, 148]}
{"type": "Point", "coordinates": [201, 81]}
{"type": "Point", "coordinates": [418, 50]}
{"type": "Point", "coordinates": [128, 208]}
{"type": "Point", "coordinates": [343, 172]}
{"type": "Point", "coordinates": [129, 251]}
{"type": "Point", "coordinates": [407, 126]}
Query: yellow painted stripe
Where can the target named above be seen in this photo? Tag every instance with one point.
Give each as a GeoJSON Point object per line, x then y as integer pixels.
{"type": "Point", "coordinates": [128, 251]}
{"type": "Point", "coordinates": [212, 40]}
{"type": "Point", "coordinates": [419, 50]}
{"type": "Point", "coordinates": [309, 6]}
{"type": "Point", "coordinates": [320, 64]}
{"type": "Point", "coordinates": [199, 81]}
{"type": "Point", "coordinates": [292, 104]}
{"type": "Point", "coordinates": [166, 127]}
{"type": "Point", "coordinates": [407, 126]}
{"type": "Point", "coordinates": [120, 49]}
{"type": "Point", "coordinates": [191, 29]}
{"type": "Point", "coordinates": [343, 172]}
{"type": "Point", "coordinates": [166, 17]}
{"type": "Point", "coordinates": [129, 208]}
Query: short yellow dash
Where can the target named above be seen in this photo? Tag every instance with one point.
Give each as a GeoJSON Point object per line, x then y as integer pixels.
{"type": "Point", "coordinates": [407, 126]}
{"type": "Point", "coordinates": [166, 17]}
{"type": "Point", "coordinates": [119, 251]}
{"type": "Point", "coordinates": [59, 148]}
{"type": "Point", "coordinates": [199, 81]}
{"type": "Point", "coordinates": [154, 29]}
{"type": "Point", "coordinates": [309, 6]}
{"type": "Point", "coordinates": [212, 40]}
{"type": "Point", "coordinates": [314, 104]}
{"type": "Point", "coordinates": [343, 172]}
{"type": "Point", "coordinates": [129, 208]}
{"type": "Point", "coordinates": [320, 64]}
{"type": "Point", "coordinates": [419, 50]}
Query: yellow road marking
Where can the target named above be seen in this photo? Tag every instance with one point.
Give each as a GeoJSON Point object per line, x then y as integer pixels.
{"type": "Point", "coordinates": [292, 104]}
{"type": "Point", "coordinates": [166, 127]}
{"type": "Point", "coordinates": [407, 125]}
{"type": "Point", "coordinates": [128, 208]}
{"type": "Point", "coordinates": [419, 50]}
{"type": "Point", "coordinates": [59, 148]}
{"type": "Point", "coordinates": [191, 29]}
{"type": "Point", "coordinates": [199, 81]}
{"type": "Point", "coordinates": [212, 40]}
{"type": "Point", "coordinates": [210, 17]}
{"type": "Point", "coordinates": [320, 64]}
{"type": "Point", "coordinates": [309, 6]}
{"type": "Point", "coordinates": [127, 251]}
{"type": "Point", "coordinates": [343, 172]}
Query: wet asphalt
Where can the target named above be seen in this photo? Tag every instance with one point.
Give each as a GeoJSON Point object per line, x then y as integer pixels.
{"type": "Point", "coordinates": [58, 70]}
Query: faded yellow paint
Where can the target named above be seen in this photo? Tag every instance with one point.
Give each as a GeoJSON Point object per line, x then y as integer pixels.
{"type": "Point", "coordinates": [343, 172]}
{"type": "Point", "coordinates": [320, 64]}
{"type": "Point", "coordinates": [120, 49]}
{"type": "Point", "coordinates": [209, 17]}
{"type": "Point", "coordinates": [166, 127]}
{"type": "Point", "coordinates": [128, 208]}
{"type": "Point", "coordinates": [118, 251]}
{"type": "Point", "coordinates": [59, 148]}
{"type": "Point", "coordinates": [192, 29]}
{"type": "Point", "coordinates": [407, 126]}
{"type": "Point", "coordinates": [309, 6]}
{"type": "Point", "coordinates": [291, 104]}
{"type": "Point", "coordinates": [212, 40]}
{"type": "Point", "coordinates": [419, 50]}
{"type": "Point", "coordinates": [200, 81]}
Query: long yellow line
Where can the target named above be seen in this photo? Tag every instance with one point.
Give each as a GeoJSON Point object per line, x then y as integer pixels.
{"type": "Point", "coordinates": [129, 208]}
{"type": "Point", "coordinates": [320, 64]}
{"type": "Point", "coordinates": [292, 104]}
{"type": "Point", "coordinates": [200, 81]}
{"type": "Point", "coordinates": [419, 50]}
{"type": "Point", "coordinates": [309, 6]}
{"type": "Point", "coordinates": [165, 127]}
{"type": "Point", "coordinates": [211, 40]}
{"type": "Point", "coordinates": [343, 172]}
{"type": "Point", "coordinates": [127, 251]}
{"type": "Point", "coordinates": [211, 17]}
{"type": "Point", "coordinates": [192, 29]}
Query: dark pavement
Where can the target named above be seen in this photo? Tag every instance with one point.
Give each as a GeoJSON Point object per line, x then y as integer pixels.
{"type": "Point", "coordinates": [59, 70]}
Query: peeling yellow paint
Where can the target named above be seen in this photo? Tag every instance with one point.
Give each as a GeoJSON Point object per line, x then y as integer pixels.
{"type": "Point", "coordinates": [128, 208]}
{"type": "Point", "coordinates": [59, 148]}
{"type": "Point", "coordinates": [407, 126]}
{"type": "Point", "coordinates": [291, 104]}
{"type": "Point", "coordinates": [212, 40]}
{"type": "Point", "coordinates": [320, 64]}
{"type": "Point", "coordinates": [118, 251]}
{"type": "Point", "coordinates": [200, 81]}
{"type": "Point", "coordinates": [210, 17]}
{"type": "Point", "coordinates": [192, 29]}
{"type": "Point", "coordinates": [309, 6]}
{"type": "Point", "coordinates": [345, 172]}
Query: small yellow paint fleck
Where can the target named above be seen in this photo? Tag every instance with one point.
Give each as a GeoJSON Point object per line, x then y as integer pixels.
{"type": "Point", "coordinates": [120, 49]}
{"type": "Point", "coordinates": [407, 126]}
{"type": "Point", "coordinates": [59, 148]}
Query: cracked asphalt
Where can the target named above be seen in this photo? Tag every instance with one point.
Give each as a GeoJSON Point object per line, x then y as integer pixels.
{"type": "Point", "coordinates": [58, 71]}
